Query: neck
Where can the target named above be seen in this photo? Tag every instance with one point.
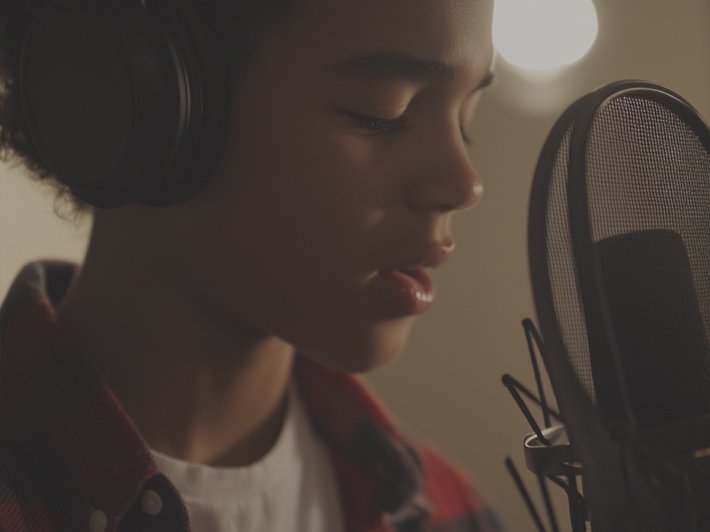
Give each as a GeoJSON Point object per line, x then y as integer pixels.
{"type": "Point", "coordinates": [200, 385]}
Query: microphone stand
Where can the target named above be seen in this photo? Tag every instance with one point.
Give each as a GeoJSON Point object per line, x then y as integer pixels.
{"type": "Point", "coordinates": [548, 453]}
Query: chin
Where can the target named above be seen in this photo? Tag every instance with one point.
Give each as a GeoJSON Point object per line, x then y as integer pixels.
{"type": "Point", "coordinates": [368, 351]}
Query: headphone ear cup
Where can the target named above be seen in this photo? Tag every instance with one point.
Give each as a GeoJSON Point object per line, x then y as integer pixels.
{"type": "Point", "coordinates": [114, 96]}
{"type": "Point", "coordinates": [205, 67]}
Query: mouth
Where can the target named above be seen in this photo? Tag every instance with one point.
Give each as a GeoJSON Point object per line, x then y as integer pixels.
{"type": "Point", "coordinates": [406, 287]}
{"type": "Point", "coordinates": [420, 276]}
{"type": "Point", "coordinates": [407, 291]}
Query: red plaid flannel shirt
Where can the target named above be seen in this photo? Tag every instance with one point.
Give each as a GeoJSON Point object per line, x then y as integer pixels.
{"type": "Point", "coordinates": [71, 459]}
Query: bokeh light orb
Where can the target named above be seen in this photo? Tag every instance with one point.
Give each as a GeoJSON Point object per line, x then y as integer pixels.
{"type": "Point", "coordinates": [544, 35]}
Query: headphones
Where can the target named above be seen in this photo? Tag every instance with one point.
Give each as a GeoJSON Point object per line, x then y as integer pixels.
{"type": "Point", "coordinates": [125, 100]}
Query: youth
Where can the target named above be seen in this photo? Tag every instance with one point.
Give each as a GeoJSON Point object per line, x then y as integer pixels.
{"type": "Point", "coordinates": [198, 369]}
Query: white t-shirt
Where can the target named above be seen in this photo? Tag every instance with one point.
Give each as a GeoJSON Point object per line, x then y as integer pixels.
{"type": "Point", "coordinates": [292, 489]}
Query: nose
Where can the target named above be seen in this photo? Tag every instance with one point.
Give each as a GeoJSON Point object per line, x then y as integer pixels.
{"type": "Point", "coordinates": [446, 179]}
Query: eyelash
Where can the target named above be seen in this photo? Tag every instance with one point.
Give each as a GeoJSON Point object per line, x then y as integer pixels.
{"type": "Point", "coordinates": [387, 126]}
{"type": "Point", "coordinates": [380, 125]}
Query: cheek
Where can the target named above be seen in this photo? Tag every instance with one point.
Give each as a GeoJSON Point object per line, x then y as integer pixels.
{"type": "Point", "coordinates": [283, 227]}
{"type": "Point", "coordinates": [316, 184]}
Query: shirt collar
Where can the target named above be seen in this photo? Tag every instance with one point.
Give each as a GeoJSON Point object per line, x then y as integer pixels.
{"type": "Point", "coordinates": [55, 403]}
{"type": "Point", "coordinates": [384, 470]}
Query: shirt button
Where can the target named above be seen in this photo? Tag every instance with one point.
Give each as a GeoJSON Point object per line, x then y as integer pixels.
{"type": "Point", "coordinates": [151, 502]}
{"type": "Point", "coordinates": [98, 521]}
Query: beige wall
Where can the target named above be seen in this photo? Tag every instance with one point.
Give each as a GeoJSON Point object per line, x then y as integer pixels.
{"type": "Point", "coordinates": [446, 387]}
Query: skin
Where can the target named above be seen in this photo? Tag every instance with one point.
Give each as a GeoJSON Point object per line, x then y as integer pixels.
{"type": "Point", "coordinates": [193, 313]}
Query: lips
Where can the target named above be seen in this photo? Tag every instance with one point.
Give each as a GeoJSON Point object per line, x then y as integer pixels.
{"type": "Point", "coordinates": [407, 288]}
{"type": "Point", "coordinates": [421, 277]}
{"type": "Point", "coordinates": [405, 292]}
{"type": "Point", "coordinates": [433, 257]}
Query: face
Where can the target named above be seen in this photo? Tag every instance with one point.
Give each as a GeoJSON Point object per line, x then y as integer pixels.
{"type": "Point", "coordinates": [345, 162]}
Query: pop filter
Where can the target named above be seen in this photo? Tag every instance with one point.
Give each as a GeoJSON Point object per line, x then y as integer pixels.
{"type": "Point", "coordinates": [619, 249]}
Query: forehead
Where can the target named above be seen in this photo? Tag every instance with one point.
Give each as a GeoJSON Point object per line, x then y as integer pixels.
{"type": "Point", "coordinates": [456, 32]}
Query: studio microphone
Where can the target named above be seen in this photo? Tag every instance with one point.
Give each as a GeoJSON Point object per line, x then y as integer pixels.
{"type": "Point", "coordinates": [619, 249]}
{"type": "Point", "coordinates": [658, 327]}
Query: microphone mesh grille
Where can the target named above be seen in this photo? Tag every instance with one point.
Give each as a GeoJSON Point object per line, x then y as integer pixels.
{"type": "Point", "coordinates": [561, 268]}
{"type": "Point", "coordinates": [647, 169]}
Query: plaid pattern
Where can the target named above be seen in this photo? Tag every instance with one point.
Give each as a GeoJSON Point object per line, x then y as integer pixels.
{"type": "Point", "coordinates": [71, 456]}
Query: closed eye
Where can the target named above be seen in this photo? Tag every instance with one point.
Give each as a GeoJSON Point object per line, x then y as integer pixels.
{"type": "Point", "coordinates": [391, 125]}
{"type": "Point", "coordinates": [379, 125]}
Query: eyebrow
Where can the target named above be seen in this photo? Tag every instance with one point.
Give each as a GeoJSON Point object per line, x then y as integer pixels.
{"type": "Point", "coordinates": [401, 67]}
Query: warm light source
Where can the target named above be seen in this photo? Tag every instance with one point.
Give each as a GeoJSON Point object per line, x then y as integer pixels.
{"type": "Point", "coordinates": [544, 35]}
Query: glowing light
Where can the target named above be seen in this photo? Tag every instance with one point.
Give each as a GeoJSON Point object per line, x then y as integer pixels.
{"type": "Point", "coordinates": [544, 35]}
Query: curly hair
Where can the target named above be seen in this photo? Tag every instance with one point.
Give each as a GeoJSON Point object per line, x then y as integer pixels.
{"type": "Point", "coordinates": [235, 23]}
